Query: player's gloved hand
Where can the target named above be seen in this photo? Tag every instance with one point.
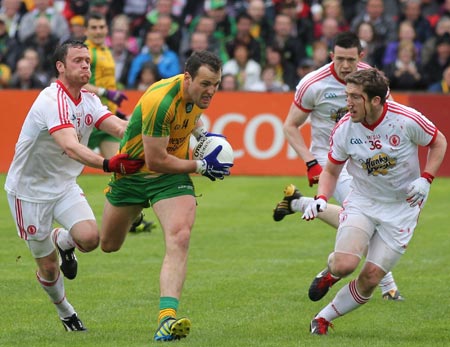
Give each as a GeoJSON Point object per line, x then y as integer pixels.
{"type": "Point", "coordinates": [210, 167]}
{"type": "Point", "coordinates": [319, 204]}
{"type": "Point", "coordinates": [313, 169]}
{"type": "Point", "coordinates": [417, 191]}
{"type": "Point", "coordinates": [115, 96]}
{"type": "Point", "coordinates": [202, 132]}
{"type": "Point", "coordinates": [121, 163]}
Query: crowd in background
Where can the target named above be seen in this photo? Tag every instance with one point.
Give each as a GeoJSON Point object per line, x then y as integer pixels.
{"type": "Point", "coordinates": [265, 45]}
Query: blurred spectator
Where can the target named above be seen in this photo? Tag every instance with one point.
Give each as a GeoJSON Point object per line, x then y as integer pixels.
{"type": "Point", "coordinates": [439, 61]}
{"type": "Point", "coordinates": [147, 76]}
{"type": "Point", "coordinates": [77, 29]}
{"type": "Point", "coordinates": [429, 48]}
{"type": "Point", "coordinates": [102, 7]}
{"type": "Point", "coordinates": [9, 48]}
{"type": "Point", "coordinates": [331, 9]}
{"type": "Point", "coordinates": [166, 60]}
{"type": "Point", "coordinates": [45, 43]}
{"type": "Point", "coordinates": [320, 54]}
{"type": "Point", "coordinates": [330, 28]}
{"type": "Point", "coordinates": [228, 83]}
{"type": "Point", "coordinates": [10, 9]}
{"type": "Point", "coordinates": [292, 47]}
{"type": "Point", "coordinates": [430, 10]}
{"type": "Point", "coordinates": [59, 26]}
{"type": "Point", "coordinates": [171, 36]}
{"type": "Point", "coordinates": [122, 56]}
{"type": "Point", "coordinates": [225, 24]}
{"type": "Point", "coordinates": [406, 32]}
{"type": "Point", "coordinates": [268, 82]}
{"type": "Point", "coordinates": [285, 72]}
{"type": "Point", "coordinates": [24, 77]}
{"type": "Point", "coordinates": [206, 24]}
{"type": "Point", "coordinates": [43, 73]}
{"type": "Point", "coordinates": [372, 48]}
{"type": "Point", "coordinates": [135, 10]}
{"type": "Point", "coordinates": [405, 73]}
{"type": "Point", "coordinates": [121, 22]}
{"type": "Point", "coordinates": [445, 8]}
{"type": "Point", "coordinates": [5, 75]}
{"type": "Point", "coordinates": [305, 66]}
{"type": "Point", "coordinates": [390, 8]}
{"type": "Point", "coordinates": [262, 24]}
{"type": "Point", "coordinates": [374, 13]}
{"type": "Point", "coordinates": [442, 86]}
{"type": "Point", "coordinates": [75, 8]}
{"type": "Point", "coordinates": [198, 42]}
{"type": "Point", "coordinates": [300, 13]}
{"type": "Point", "coordinates": [246, 70]}
{"type": "Point", "coordinates": [243, 36]}
{"type": "Point", "coordinates": [168, 24]}
{"type": "Point", "coordinates": [411, 11]}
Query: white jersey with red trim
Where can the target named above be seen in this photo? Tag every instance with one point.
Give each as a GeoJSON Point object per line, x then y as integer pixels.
{"type": "Point", "coordinates": [321, 93]}
{"type": "Point", "coordinates": [40, 170]}
{"type": "Point", "coordinates": [383, 158]}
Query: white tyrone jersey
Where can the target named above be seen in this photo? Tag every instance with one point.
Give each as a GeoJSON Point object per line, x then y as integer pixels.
{"type": "Point", "coordinates": [321, 93]}
{"type": "Point", "coordinates": [383, 158]}
{"type": "Point", "coordinates": [40, 170]}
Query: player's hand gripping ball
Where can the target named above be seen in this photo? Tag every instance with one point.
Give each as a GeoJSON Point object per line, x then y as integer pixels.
{"type": "Point", "coordinates": [208, 144]}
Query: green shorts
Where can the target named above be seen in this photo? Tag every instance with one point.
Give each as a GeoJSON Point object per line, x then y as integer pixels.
{"type": "Point", "coordinates": [98, 136]}
{"type": "Point", "coordinates": [137, 190]}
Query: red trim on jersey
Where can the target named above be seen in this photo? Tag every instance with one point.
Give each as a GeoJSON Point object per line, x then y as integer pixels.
{"type": "Point", "coordinates": [310, 80]}
{"type": "Point", "coordinates": [102, 118]}
{"type": "Point", "coordinates": [334, 161]}
{"type": "Point", "coordinates": [335, 75]}
{"type": "Point", "coordinates": [75, 101]}
{"type": "Point", "coordinates": [374, 125]}
{"type": "Point", "coordinates": [62, 105]}
{"type": "Point", "coordinates": [407, 112]}
{"type": "Point", "coordinates": [59, 127]}
{"type": "Point", "coordinates": [19, 219]}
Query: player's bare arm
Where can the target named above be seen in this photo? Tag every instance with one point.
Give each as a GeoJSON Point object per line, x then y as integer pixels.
{"type": "Point", "coordinates": [436, 154]}
{"type": "Point", "coordinates": [158, 159]}
{"type": "Point", "coordinates": [296, 118]}
{"type": "Point", "coordinates": [328, 179]}
{"type": "Point", "coordinates": [114, 126]}
{"type": "Point", "coordinates": [67, 139]}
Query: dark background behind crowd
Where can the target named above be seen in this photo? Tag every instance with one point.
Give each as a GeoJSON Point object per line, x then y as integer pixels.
{"type": "Point", "coordinates": [266, 45]}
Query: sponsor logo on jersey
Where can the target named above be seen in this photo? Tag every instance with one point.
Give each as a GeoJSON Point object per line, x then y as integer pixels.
{"type": "Point", "coordinates": [379, 164]}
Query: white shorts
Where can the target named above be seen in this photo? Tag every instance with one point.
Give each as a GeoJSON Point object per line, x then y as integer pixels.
{"type": "Point", "coordinates": [34, 221]}
{"type": "Point", "coordinates": [394, 222]}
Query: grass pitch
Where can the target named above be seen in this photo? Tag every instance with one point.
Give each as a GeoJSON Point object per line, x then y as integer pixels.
{"type": "Point", "coordinates": [247, 279]}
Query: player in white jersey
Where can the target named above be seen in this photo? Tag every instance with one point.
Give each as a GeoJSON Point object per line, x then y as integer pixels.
{"type": "Point", "coordinates": [320, 97]}
{"type": "Point", "coordinates": [379, 140]}
{"type": "Point", "coordinates": [41, 182]}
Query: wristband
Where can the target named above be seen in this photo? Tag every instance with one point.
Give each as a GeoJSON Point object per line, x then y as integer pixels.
{"type": "Point", "coordinates": [323, 197]}
{"type": "Point", "coordinates": [106, 165]}
{"type": "Point", "coordinates": [201, 166]}
{"type": "Point", "coordinates": [101, 91]}
{"type": "Point", "coordinates": [311, 163]}
{"type": "Point", "coordinates": [429, 177]}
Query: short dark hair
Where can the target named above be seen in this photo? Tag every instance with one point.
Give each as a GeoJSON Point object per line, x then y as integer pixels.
{"type": "Point", "coordinates": [60, 53]}
{"type": "Point", "coordinates": [198, 59]}
{"type": "Point", "coordinates": [93, 15]}
{"type": "Point", "coordinates": [348, 39]}
{"type": "Point", "coordinates": [373, 81]}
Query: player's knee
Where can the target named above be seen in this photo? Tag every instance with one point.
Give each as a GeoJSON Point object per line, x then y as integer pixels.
{"type": "Point", "coordinates": [342, 265]}
{"type": "Point", "coordinates": [89, 243]}
{"type": "Point", "coordinates": [109, 247]}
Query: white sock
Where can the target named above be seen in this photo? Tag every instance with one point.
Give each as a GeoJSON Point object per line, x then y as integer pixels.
{"type": "Point", "coordinates": [299, 205]}
{"type": "Point", "coordinates": [387, 283]}
{"type": "Point", "coordinates": [347, 299]}
{"type": "Point", "coordinates": [55, 290]}
{"type": "Point", "coordinates": [62, 238]}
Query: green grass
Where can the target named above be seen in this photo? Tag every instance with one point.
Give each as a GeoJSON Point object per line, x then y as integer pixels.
{"type": "Point", "coordinates": [247, 279]}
